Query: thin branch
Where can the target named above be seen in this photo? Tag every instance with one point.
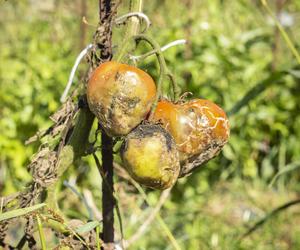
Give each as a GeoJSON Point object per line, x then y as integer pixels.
{"type": "Point", "coordinates": [284, 34]}
{"type": "Point", "coordinates": [164, 226]}
{"type": "Point", "coordinates": [111, 192]}
{"type": "Point", "coordinates": [88, 196]}
{"type": "Point", "coordinates": [274, 212]}
{"type": "Point", "coordinates": [288, 168]}
{"type": "Point", "coordinates": [145, 226]}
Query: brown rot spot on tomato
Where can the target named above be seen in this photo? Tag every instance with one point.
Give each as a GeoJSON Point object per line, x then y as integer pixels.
{"type": "Point", "coordinates": [120, 96]}
{"type": "Point", "coordinates": [150, 156]}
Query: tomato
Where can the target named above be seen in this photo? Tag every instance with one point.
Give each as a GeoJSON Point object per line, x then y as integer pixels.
{"type": "Point", "coordinates": [200, 129]}
{"type": "Point", "coordinates": [120, 96]}
{"type": "Point", "coordinates": [150, 156]}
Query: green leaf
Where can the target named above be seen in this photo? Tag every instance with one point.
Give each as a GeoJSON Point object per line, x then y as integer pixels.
{"type": "Point", "coordinates": [20, 212]}
{"type": "Point", "coordinates": [87, 227]}
{"type": "Point", "coordinates": [288, 168]}
{"type": "Point", "coordinates": [255, 91]}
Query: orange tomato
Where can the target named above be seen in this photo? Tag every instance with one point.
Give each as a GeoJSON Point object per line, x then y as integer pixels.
{"type": "Point", "coordinates": [200, 129]}
{"type": "Point", "coordinates": [120, 96]}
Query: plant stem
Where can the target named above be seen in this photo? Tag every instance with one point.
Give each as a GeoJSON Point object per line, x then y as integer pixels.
{"type": "Point", "coordinates": [284, 34]}
{"type": "Point", "coordinates": [97, 237]}
{"type": "Point", "coordinates": [132, 29]}
{"type": "Point", "coordinates": [164, 71]}
{"type": "Point", "coordinates": [274, 212]}
{"type": "Point", "coordinates": [41, 233]}
{"type": "Point", "coordinates": [162, 66]}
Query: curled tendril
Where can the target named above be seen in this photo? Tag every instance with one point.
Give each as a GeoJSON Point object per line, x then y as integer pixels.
{"type": "Point", "coordinates": [73, 71]}
{"type": "Point", "coordinates": [123, 19]}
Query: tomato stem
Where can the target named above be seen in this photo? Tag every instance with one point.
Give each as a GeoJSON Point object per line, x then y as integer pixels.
{"type": "Point", "coordinates": [164, 71]}
{"type": "Point", "coordinates": [132, 29]}
{"type": "Point", "coordinates": [175, 87]}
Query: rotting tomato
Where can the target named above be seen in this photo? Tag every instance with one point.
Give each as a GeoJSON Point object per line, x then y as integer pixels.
{"type": "Point", "coordinates": [150, 156]}
{"type": "Point", "coordinates": [120, 96]}
{"type": "Point", "coordinates": [200, 129]}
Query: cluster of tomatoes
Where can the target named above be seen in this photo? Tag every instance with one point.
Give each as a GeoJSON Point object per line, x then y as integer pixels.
{"type": "Point", "coordinates": [161, 147]}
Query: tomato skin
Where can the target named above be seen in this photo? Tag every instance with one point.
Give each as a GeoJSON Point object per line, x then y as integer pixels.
{"type": "Point", "coordinates": [150, 156]}
{"type": "Point", "coordinates": [200, 129]}
{"type": "Point", "coordinates": [120, 96]}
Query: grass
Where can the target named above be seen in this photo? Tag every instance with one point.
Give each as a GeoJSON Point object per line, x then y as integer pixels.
{"type": "Point", "coordinates": [216, 219]}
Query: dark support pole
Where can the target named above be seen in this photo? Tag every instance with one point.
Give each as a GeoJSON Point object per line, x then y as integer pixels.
{"type": "Point", "coordinates": [107, 188]}
{"type": "Point", "coordinates": [108, 202]}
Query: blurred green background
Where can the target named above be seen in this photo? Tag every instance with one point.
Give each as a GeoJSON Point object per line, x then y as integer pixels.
{"type": "Point", "coordinates": [233, 47]}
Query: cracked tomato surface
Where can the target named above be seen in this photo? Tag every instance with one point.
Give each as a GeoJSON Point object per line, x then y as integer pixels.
{"type": "Point", "coordinates": [200, 129]}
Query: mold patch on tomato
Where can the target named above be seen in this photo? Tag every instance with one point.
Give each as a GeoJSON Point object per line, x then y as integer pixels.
{"type": "Point", "coordinates": [150, 156]}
